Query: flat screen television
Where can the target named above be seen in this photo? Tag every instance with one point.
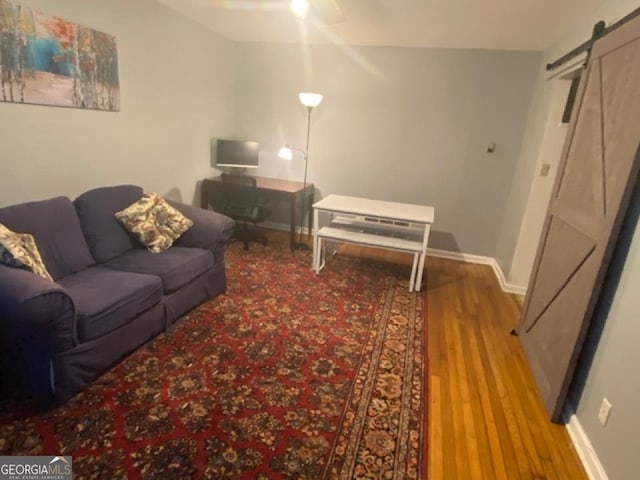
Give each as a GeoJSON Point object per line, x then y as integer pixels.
{"type": "Point", "coordinates": [237, 153]}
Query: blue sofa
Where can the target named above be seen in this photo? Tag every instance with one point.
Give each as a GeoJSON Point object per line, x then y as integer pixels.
{"type": "Point", "coordinates": [109, 294]}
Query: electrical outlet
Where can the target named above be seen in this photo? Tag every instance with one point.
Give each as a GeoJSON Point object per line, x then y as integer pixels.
{"type": "Point", "coordinates": [605, 411]}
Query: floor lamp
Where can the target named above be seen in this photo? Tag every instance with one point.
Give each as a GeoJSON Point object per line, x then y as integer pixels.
{"type": "Point", "coordinates": [309, 100]}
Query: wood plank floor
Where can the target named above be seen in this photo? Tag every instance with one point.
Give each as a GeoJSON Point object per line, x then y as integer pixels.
{"type": "Point", "coordinates": [485, 420]}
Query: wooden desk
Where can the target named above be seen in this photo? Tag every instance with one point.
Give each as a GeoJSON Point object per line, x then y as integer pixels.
{"type": "Point", "coordinates": [395, 226]}
{"type": "Point", "coordinates": [292, 192]}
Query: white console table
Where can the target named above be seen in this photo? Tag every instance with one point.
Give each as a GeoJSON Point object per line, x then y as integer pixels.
{"type": "Point", "coordinates": [394, 226]}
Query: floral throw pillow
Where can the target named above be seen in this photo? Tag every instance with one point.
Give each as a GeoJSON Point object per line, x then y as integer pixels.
{"type": "Point", "coordinates": [19, 250]}
{"type": "Point", "coordinates": [154, 222]}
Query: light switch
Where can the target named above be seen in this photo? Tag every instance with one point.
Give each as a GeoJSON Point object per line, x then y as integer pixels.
{"type": "Point", "coordinates": [544, 170]}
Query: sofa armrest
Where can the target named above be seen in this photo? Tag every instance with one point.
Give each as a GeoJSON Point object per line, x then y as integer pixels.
{"type": "Point", "coordinates": [210, 230]}
{"type": "Point", "coordinates": [35, 310]}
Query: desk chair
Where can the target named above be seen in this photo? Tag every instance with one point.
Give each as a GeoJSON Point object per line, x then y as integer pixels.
{"type": "Point", "coordinates": [242, 203]}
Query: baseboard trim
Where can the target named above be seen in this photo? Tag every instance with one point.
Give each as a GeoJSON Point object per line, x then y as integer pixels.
{"type": "Point", "coordinates": [481, 260]}
{"type": "Point", "coordinates": [584, 449]}
{"type": "Point", "coordinates": [434, 252]}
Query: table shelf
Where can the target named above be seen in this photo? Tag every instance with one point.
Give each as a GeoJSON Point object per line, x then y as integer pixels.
{"type": "Point", "coordinates": [369, 239]}
{"type": "Point", "coordinates": [373, 223]}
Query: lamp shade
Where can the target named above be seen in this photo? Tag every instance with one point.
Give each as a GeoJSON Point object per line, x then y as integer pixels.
{"type": "Point", "coordinates": [309, 99]}
{"type": "Point", "coordinates": [285, 153]}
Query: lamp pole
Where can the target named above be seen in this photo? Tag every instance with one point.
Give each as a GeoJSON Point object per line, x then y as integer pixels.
{"type": "Point", "coordinates": [286, 153]}
{"type": "Point", "coordinates": [309, 100]}
{"type": "Point", "coordinates": [304, 181]}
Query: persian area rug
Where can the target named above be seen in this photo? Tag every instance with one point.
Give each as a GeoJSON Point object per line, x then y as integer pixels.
{"type": "Point", "coordinates": [288, 375]}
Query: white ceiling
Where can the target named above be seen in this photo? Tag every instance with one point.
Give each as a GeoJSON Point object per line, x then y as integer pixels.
{"type": "Point", "coordinates": [486, 24]}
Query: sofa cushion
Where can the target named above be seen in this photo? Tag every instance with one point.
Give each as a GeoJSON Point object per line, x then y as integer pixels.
{"type": "Point", "coordinates": [154, 222]}
{"type": "Point", "coordinates": [19, 250]}
{"type": "Point", "coordinates": [106, 299]}
{"type": "Point", "coordinates": [176, 267]}
{"type": "Point", "coordinates": [55, 227]}
{"type": "Point", "coordinates": [96, 208]}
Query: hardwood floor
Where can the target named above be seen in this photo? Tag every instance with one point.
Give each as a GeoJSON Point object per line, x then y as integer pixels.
{"type": "Point", "coordinates": [485, 419]}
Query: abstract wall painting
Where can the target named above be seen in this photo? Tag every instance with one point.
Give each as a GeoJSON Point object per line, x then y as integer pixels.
{"type": "Point", "coordinates": [47, 60]}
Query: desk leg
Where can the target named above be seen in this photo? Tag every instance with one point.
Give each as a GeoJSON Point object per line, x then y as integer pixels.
{"type": "Point", "coordinates": [204, 195]}
{"type": "Point", "coordinates": [292, 222]}
{"type": "Point", "coordinates": [310, 210]}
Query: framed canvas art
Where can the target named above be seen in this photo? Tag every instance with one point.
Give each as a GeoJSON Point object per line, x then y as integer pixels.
{"type": "Point", "coordinates": [47, 60]}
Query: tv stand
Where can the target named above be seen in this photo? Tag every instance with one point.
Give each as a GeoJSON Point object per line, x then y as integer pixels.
{"type": "Point", "coordinates": [373, 223]}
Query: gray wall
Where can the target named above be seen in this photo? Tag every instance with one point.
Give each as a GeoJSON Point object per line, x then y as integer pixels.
{"type": "Point", "coordinates": [608, 366]}
{"type": "Point", "coordinates": [398, 124]}
{"type": "Point", "coordinates": [609, 11]}
{"type": "Point", "coordinates": [524, 170]}
{"type": "Point", "coordinates": [177, 85]}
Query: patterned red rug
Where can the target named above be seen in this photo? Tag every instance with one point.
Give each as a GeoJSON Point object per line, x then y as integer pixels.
{"type": "Point", "coordinates": [288, 375]}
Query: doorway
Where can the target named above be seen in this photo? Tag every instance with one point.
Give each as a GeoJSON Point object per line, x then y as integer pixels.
{"type": "Point", "coordinates": [553, 138]}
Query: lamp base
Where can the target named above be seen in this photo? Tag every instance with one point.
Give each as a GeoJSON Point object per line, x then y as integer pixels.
{"type": "Point", "coordinates": [301, 246]}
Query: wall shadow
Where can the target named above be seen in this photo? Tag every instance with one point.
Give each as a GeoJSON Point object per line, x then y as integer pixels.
{"type": "Point", "coordinates": [443, 241]}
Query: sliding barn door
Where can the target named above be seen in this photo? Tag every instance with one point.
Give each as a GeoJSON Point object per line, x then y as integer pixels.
{"type": "Point", "coordinates": [595, 178]}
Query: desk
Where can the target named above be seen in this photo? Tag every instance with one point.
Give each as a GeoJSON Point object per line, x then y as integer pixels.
{"type": "Point", "coordinates": [291, 192]}
{"type": "Point", "coordinates": [395, 226]}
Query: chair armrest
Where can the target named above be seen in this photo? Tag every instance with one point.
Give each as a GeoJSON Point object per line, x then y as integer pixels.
{"type": "Point", "coordinates": [210, 230]}
{"type": "Point", "coordinates": [35, 310]}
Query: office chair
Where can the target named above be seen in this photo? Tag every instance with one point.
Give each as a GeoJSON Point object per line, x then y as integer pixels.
{"type": "Point", "coordinates": [242, 203]}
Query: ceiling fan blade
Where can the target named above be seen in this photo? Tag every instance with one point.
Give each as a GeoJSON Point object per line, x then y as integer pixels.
{"type": "Point", "coordinates": [328, 11]}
